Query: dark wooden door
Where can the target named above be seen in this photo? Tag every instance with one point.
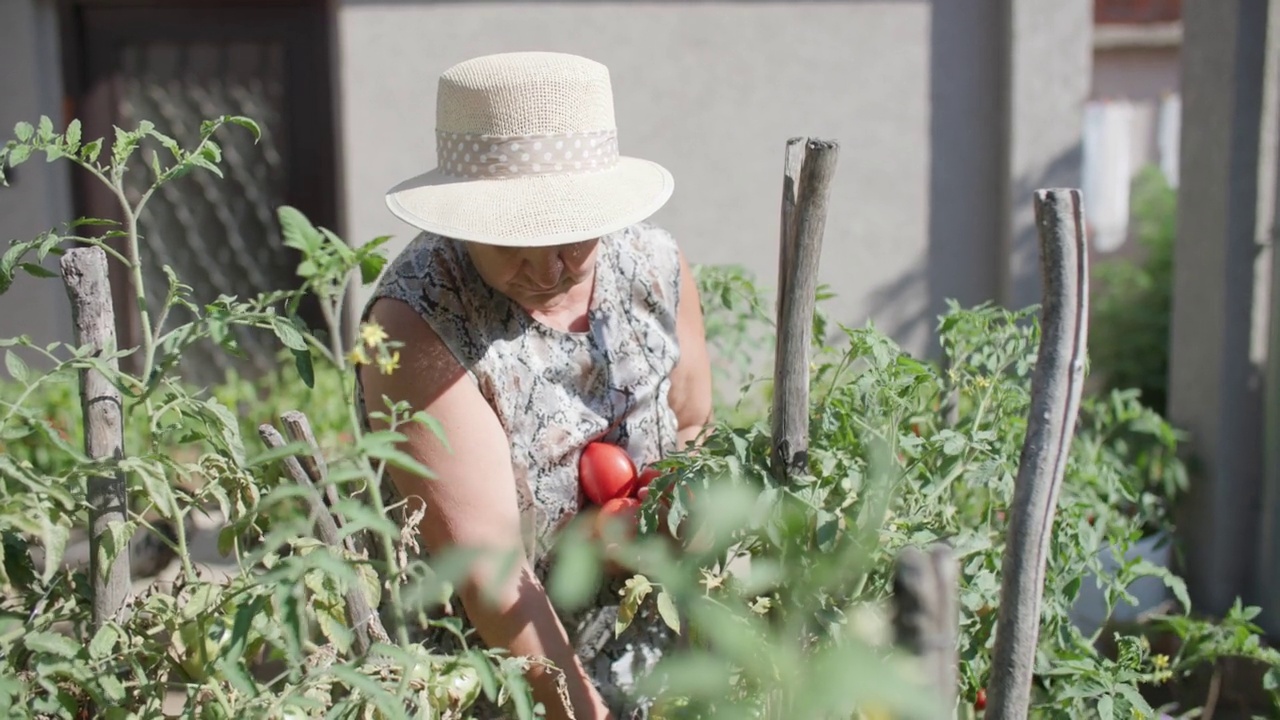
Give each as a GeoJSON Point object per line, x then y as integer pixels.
{"type": "Point", "coordinates": [177, 64]}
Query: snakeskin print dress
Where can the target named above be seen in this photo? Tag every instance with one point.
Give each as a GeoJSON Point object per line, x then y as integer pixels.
{"type": "Point", "coordinates": [555, 391]}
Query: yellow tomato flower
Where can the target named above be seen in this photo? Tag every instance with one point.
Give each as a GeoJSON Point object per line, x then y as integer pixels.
{"type": "Point", "coordinates": [357, 356]}
{"type": "Point", "coordinates": [1161, 661]}
{"type": "Point", "coordinates": [372, 334]}
{"type": "Point", "coordinates": [388, 363]}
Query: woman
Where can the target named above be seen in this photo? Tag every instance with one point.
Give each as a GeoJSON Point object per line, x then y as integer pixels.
{"type": "Point", "coordinates": [538, 312]}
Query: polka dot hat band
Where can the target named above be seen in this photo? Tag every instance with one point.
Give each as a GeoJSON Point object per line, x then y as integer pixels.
{"type": "Point", "coordinates": [465, 155]}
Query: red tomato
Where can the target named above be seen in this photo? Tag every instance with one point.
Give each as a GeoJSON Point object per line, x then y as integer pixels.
{"type": "Point", "coordinates": [980, 702]}
{"type": "Point", "coordinates": [606, 472]}
{"type": "Point", "coordinates": [647, 476]}
{"type": "Point", "coordinates": [620, 510]}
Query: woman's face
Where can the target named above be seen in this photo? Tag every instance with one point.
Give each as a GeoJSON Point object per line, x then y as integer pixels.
{"type": "Point", "coordinates": [538, 278]}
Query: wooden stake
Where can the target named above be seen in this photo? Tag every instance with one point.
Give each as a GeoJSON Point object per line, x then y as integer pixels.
{"type": "Point", "coordinates": [298, 428]}
{"type": "Point", "coordinates": [926, 601]}
{"type": "Point", "coordinates": [809, 168]}
{"type": "Point", "coordinates": [360, 614]}
{"type": "Point", "coordinates": [1055, 402]}
{"type": "Point", "coordinates": [84, 271]}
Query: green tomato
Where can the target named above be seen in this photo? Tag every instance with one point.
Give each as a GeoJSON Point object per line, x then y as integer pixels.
{"type": "Point", "coordinates": [457, 689]}
{"type": "Point", "coordinates": [202, 641]}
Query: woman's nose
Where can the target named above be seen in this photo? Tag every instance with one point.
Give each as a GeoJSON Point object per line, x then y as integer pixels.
{"type": "Point", "coordinates": [545, 268]}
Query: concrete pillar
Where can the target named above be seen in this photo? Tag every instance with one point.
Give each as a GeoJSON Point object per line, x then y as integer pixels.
{"type": "Point", "coordinates": [1047, 69]}
{"type": "Point", "coordinates": [1218, 341]}
{"type": "Point", "coordinates": [1267, 570]}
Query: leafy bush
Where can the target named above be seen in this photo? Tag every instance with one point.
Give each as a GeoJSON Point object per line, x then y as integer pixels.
{"type": "Point", "coordinates": [781, 590]}
{"type": "Point", "coordinates": [1132, 304]}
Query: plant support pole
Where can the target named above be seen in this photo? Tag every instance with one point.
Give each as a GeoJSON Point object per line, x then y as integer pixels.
{"type": "Point", "coordinates": [364, 621]}
{"type": "Point", "coordinates": [1055, 402]}
{"type": "Point", "coordinates": [926, 603]}
{"type": "Point", "coordinates": [84, 271]}
{"type": "Point", "coordinates": [809, 168]}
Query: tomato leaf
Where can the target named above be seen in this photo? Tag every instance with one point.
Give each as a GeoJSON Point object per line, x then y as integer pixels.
{"type": "Point", "coordinates": [16, 367]}
{"type": "Point", "coordinates": [634, 592]}
{"type": "Point", "coordinates": [667, 609]}
{"type": "Point", "coordinates": [52, 643]}
{"type": "Point", "coordinates": [104, 641]}
{"type": "Point", "coordinates": [288, 333]}
{"type": "Point", "coordinates": [306, 371]}
{"type": "Point", "coordinates": [55, 538]}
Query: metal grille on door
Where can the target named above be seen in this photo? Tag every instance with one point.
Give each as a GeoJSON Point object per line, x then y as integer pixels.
{"type": "Point", "coordinates": [220, 236]}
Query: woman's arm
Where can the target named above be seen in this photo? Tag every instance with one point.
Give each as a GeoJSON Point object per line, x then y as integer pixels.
{"type": "Point", "coordinates": [690, 395]}
{"type": "Point", "coordinates": [473, 503]}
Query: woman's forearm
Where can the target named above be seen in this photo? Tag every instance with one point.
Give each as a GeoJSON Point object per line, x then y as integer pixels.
{"type": "Point", "coordinates": [690, 436]}
{"type": "Point", "coordinates": [521, 619]}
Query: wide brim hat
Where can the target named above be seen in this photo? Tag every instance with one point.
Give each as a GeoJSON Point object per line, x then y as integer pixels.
{"type": "Point", "coordinates": [527, 155]}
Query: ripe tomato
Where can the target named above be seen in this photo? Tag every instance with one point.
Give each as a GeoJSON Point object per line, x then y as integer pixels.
{"type": "Point", "coordinates": [624, 511]}
{"type": "Point", "coordinates": [980, 702]}
{"type": "Point", "coordinates": [647, 476]}
{"type": "Point", "coordinates": [606, 472]}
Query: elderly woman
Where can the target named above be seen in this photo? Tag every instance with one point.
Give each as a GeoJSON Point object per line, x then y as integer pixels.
{"type": "Point", "coordinates": [539, 311]}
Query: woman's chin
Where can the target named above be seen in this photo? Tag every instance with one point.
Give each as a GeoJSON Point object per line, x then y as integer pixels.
{"type": "Point", "coordinates": [540, 300]}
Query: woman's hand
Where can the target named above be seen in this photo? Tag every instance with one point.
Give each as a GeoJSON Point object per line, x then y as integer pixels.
{"type": "Point", "coordinates": [473, 503]}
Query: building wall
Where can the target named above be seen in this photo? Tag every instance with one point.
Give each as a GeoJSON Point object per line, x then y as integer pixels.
{"type": "Point", "coordinates": [943, 140]}
{"type": "Point", "coordinates": [1135, 73]}
{"type": "Point", "coordinates": [1133, 120]}
{"type": "Point", "coordinates": [713, 91]}
{"type": "Point", "coordinates": [37, 198]}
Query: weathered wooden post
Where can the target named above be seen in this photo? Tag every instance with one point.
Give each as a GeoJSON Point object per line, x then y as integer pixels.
{"type": "Point", "coordinates": [806, 189]}
{"type": "Point", "coordinates": [1055, 401]}
{"type": "Point", "coordinates": [926, 603]}
{"type": "Point", "coordinates": [84, 270]}
{"type": "Point", "coordinates": [360, 612]}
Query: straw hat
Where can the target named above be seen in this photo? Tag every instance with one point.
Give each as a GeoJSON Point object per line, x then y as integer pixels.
{"type": "Point", "coordinates": [527, 155]}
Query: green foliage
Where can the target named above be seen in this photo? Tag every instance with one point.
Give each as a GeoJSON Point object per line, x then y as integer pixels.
{"type": "Point", "coordinates": [905, 453]}
{"type": "Point", "coordinates": [1132, 303]}
{"type": "Point", "coordinates": [189, 450]}
{"type": "Point", "coordinates": [781, 589]}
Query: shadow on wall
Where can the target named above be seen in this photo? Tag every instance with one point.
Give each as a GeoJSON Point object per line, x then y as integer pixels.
{"type": "Point", "coordinates": [953, 270]}
{"type": "Point", "coordinates": [967, 202]}
{"type": "Point", "coordinates": [971, 202]}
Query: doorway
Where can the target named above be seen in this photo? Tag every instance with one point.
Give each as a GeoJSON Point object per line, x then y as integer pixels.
{"type": "Point", "coordinates": [176, 64]}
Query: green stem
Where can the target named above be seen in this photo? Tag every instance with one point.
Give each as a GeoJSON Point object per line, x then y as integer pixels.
{"type": "Point", "coordinates": [388, 546]}
{"type": "Point", "coordinates": [180, 547]}
{"type": "Point", "coordinates": [19, 402]}
{"type": "Point", "coordinates": [389, 549]}
{"type": "Point", "coordinates": [334, 321]}
{"type": "Point", "coordinates": [139, 288]}
{"type": "Point", "coordinates": [180, 528]}
{"type": "Point", "coordinates": [99, 243]}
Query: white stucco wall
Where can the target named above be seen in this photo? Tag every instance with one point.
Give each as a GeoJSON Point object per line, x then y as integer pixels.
{"type": "Point", "coordinates": [37, 198]}
{"type": "Point", "coordinates": [711, 90]}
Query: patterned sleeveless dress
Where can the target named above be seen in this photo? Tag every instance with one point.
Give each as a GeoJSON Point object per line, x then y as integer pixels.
{"type": "Point", "coordinates": [555, 391]}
